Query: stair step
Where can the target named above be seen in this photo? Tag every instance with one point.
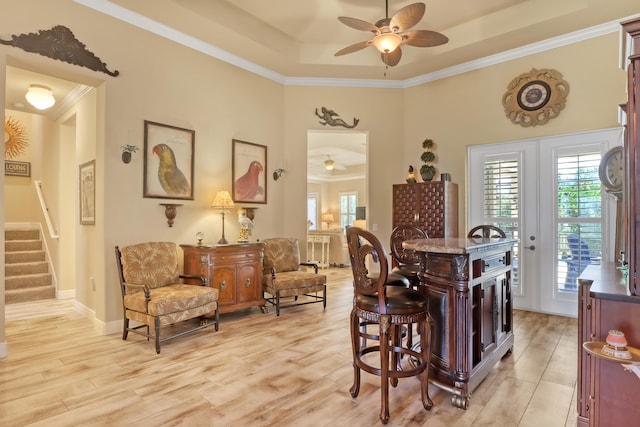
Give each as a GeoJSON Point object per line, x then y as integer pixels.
{"type": "Point", "coordinates": [31, 294]}
{"type": "Point", "coordinates": [26, 270]}
{"type": "Point", "coordinates": [22, 234]}
{"type": "Point", "coordinates": [27, 281]}
{"type": "Point", "coordinates": [22, 245]}
{"type": "Point", "coordinates": [23, 256]}
{"type": "Point", "coordinates": [21, 268]}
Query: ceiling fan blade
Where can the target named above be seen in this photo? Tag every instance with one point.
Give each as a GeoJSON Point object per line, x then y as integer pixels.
{"type": "Point", "coordinates": [391, 58]}
{"type": "Point", "coordinates": [424, 38]}
{"type": "Point", "coordinates": [407, 17]}
{"type": "Point", "coordinates": [353, 48]}
{"type": "Point", "coordinates": [358, 24]}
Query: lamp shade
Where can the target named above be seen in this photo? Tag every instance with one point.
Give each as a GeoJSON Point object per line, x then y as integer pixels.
{"type": "Point", "coordinates": [222, 200]}
{"type": "Point", "coordinates": [40, 97]}
{"type": "Point", "coordinates": [387, 42]}
{"type": "Point", "coordinates": [327, 217]}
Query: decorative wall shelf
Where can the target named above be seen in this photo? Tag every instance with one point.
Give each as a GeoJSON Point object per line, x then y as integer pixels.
{"type": "Point", "coordinates": [595, 349]}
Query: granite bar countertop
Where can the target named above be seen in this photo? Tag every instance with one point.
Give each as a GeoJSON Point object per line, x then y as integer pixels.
{"type": "Point", "coordinates": [607, 282]}
{"type": "Point", "coordinates": [455, 245]}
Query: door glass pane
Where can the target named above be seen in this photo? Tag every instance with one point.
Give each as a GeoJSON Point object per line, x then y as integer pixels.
{"type": "Point", "coordinates": [312, 211]}
{"type": "Point", "coordinates": [579, 217]}
{"type": "Point", "coordinates": [502, 202]}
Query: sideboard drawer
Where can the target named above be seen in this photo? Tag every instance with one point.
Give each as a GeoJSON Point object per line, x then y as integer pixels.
{"type": "Point", "coordinates": [231, 258]}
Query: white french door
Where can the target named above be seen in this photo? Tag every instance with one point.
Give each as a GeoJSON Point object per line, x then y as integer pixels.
{"type": "Point", "coordinates": [546, 193]}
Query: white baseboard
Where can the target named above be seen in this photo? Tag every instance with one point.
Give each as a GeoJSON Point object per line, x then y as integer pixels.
{"type": "Point", "coordinates": [104, 328]}
{"type": "Point", "coordinates": [4, 350]}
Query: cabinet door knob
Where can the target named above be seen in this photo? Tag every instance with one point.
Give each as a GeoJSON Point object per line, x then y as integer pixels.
{"type": "Point", "coordinates": [247, 282]}
{"type": "Point", "coordinates": [223, 285]}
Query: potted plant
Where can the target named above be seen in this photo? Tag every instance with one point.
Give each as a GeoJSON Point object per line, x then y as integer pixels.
{"type": "Point", "coordinates": [427, 170]}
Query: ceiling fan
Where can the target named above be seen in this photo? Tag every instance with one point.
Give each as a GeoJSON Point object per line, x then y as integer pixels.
{"type": "Point", "coordinates": [330, 165]}
{"type": "Point", "coordinates": [391, 33]}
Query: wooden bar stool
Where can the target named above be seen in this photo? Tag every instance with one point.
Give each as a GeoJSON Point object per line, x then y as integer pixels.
{"type": "Point", "coordinates": [392, 308]}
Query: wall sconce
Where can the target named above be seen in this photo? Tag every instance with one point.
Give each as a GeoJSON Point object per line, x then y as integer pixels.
{"type": "Point", "coordinates": [224, 202]}
{"type": "Point", "coordinates": [328, 218]}
{"type": "Point", "coordinates": [40, 97]}
{"type": "Point", "coordinates": [127, 150]}
{"type": "Point", "coordinates": [277, 173]}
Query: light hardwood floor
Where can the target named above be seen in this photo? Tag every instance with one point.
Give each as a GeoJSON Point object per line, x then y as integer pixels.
{"type": "Point", "coordinates": [261, 370]}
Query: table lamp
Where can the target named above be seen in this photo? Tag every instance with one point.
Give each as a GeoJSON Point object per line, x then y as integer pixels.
{"type": "Point", "coordinates": [224, 202]}
{"type": "Point", "coordinates": [328, 218]}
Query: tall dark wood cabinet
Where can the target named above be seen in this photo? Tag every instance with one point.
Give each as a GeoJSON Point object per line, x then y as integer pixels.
{"type": "Point", "coordinates": [607, 393]}
{"type": "Point", "coordinates": [631, 198]}
{"type": "Point", "coordinates": [432, 206]}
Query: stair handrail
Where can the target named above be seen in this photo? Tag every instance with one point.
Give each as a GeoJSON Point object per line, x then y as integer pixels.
{"type": "Point", "coordinates": [45, 210]}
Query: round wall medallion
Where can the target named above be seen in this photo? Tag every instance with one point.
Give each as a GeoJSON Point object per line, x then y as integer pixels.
{"type": "Point", "coordinates": [15, 138]}
{"type": "Point", "coordinates": [535, 97]}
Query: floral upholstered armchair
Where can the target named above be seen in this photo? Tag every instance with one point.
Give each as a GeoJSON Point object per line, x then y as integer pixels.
{"type": "Point", "coordinates": [153, 295]}
{"type": "Point", "coordinates": [284, 277]}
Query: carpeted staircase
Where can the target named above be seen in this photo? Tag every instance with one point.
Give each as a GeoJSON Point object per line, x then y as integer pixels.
{"type": "Point", "coordinates": [27, 276]}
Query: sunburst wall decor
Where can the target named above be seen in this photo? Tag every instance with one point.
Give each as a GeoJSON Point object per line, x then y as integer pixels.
{"type": "Point", "coordinates": [15, 138]}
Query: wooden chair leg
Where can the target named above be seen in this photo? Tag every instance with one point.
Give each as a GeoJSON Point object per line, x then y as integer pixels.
{"type": "Point", "coordinates": [425, 328]}
{"type": "Point", "coordinates": [157, 327]}
{"type": "Point", "coordinates": [324, 297]}
{"type": "Point", "coordinates": [396, 342]}
{"type": "Point", "coordinates": [277, 303]}
{"type": "Point", "coordinates": [125, 329]}
{"type": "Point", "coordinates": [384, 367]}
{"type": "Point", "coordinates": [356, 350]}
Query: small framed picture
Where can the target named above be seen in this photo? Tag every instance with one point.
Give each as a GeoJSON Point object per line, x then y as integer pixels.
{"type": "Point", "coordinates": [88, 193]}
{"type": "Point", "coordinates": [248, 170]}
{"type": "Point", "coordinates": [168, 161]}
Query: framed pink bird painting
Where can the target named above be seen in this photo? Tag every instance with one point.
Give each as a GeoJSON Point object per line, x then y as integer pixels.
{"type": "Point", "coordinates": [168, 161]}
{"type": "Point", "coordinates": [248, 170]}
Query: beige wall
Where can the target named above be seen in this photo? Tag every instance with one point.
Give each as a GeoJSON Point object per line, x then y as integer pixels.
{"type": "Point", "coordinates": [21, 201]}
{"type": "Point", "coordinates": [164, 82]}
{"type": "Point", "coordinates": [328, 196]}
{"type": "Point", "coordinates": [467, 109]}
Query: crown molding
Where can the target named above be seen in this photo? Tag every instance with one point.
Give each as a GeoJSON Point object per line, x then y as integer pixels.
{"type": "Point", "coordinates": [140, 21]}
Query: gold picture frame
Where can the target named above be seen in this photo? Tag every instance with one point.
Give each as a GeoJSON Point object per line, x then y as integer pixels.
{"type": "Point", "coordinates": [248, 166]}
{"type": "Point", "coordinates": [168, 161]}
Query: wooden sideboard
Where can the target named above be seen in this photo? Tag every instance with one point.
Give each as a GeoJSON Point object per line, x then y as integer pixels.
{"type": "Point", "coordinates": [235, 269]}
{"type": "Point", "coordinates": [607, 394]}
{"type": "Point", "coordinates": [468, 283]}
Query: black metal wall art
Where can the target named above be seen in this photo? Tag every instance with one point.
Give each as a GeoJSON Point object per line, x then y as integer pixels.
{"type": "Point", "coordinates": [331, 118]}
{"type": "Point", "coordinates": [59, 43]}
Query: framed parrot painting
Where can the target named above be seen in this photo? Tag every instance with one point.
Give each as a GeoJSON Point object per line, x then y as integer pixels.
{"type": "Point", "coordinates": [168, 161]}
{"type": "Point", "coordinates": [248, 166]}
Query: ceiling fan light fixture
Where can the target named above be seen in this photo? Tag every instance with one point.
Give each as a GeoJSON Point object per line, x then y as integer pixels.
{"type": "Point", "coordinates": [40, 97]}
{"type": "Point", "coordinates": [387, 42]}
{"type": "Point", "coordinates": [329, 164]}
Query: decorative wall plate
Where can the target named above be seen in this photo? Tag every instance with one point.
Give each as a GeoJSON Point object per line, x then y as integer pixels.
{"type": "Point", "coordinates": [535, 97]}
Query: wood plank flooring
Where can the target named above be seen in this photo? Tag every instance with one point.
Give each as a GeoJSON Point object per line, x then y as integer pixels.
{"type": "Point", "coordinates": [261, 370]}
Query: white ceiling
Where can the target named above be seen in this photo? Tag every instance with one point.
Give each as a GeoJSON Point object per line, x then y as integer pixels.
{"type": "Point", "coordinates": [294, 41]}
